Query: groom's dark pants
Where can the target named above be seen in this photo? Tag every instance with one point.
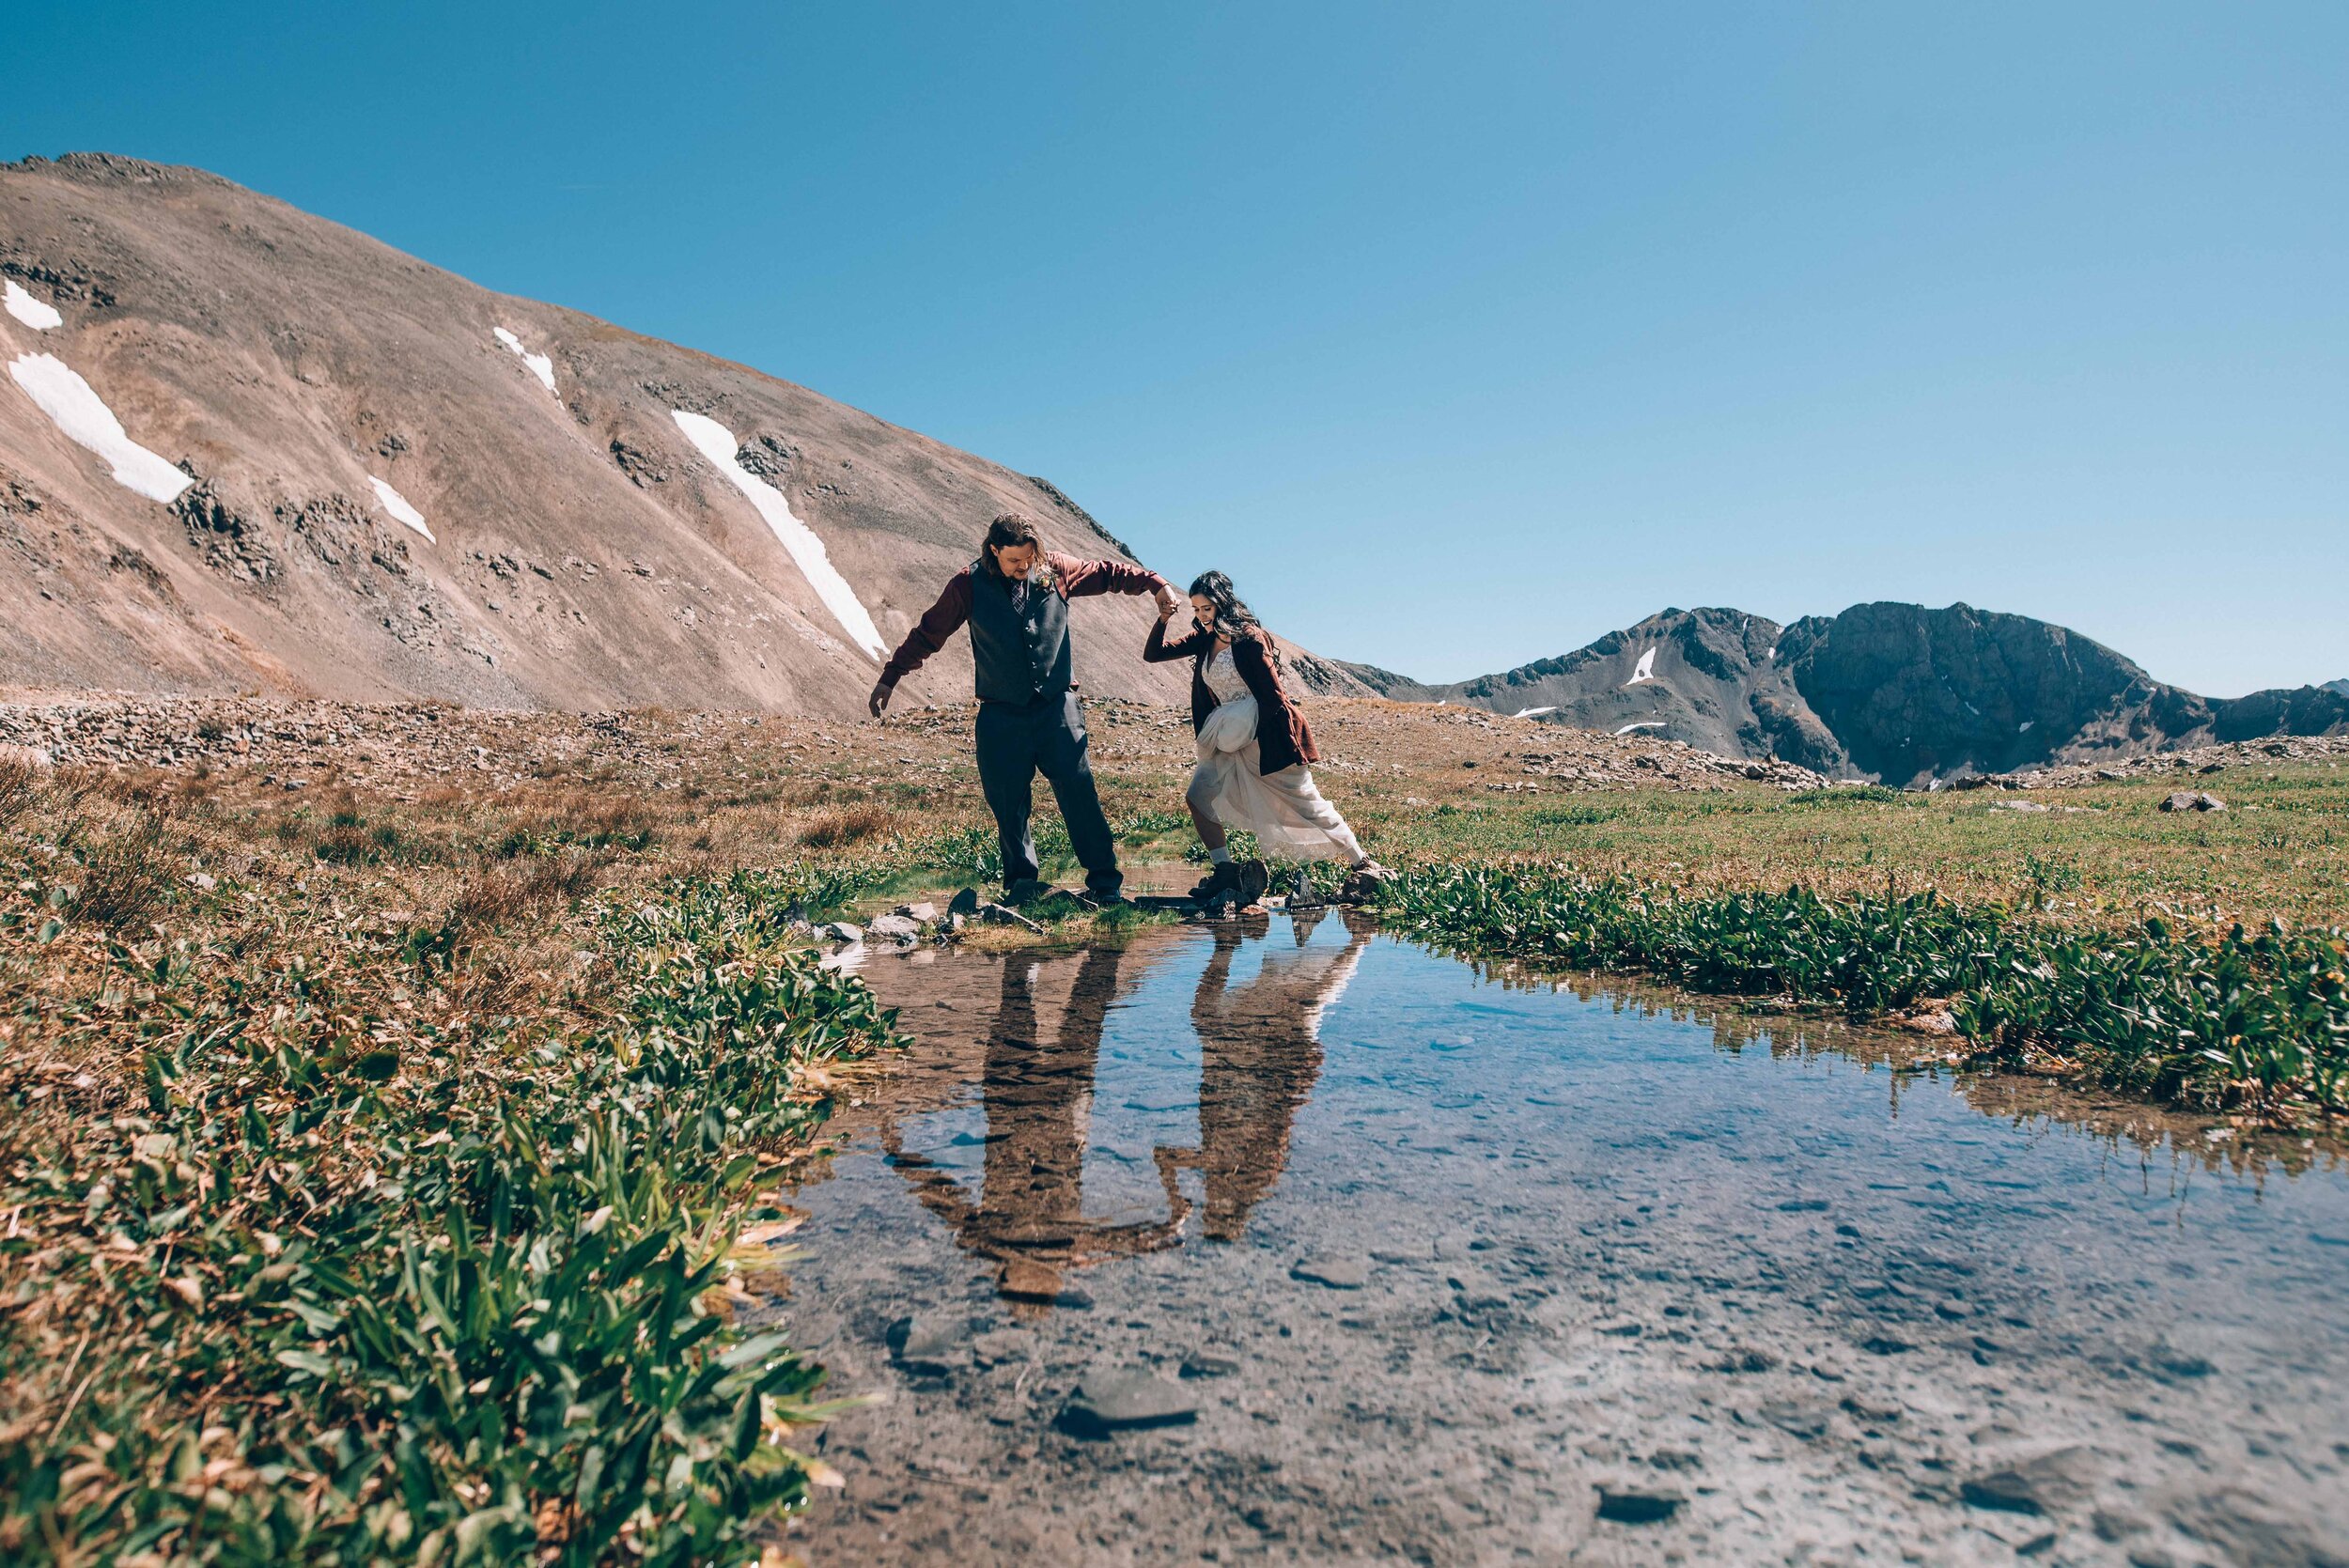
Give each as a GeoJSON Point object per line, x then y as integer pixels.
{"type": "Point", "coordinates": [1018, 740]}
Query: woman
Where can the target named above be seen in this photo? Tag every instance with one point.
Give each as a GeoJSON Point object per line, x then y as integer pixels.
{"type": "Point", "coordinates": [1253, 745]}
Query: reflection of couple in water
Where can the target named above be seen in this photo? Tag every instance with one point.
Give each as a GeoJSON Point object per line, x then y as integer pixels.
{"type": "Point", "coordinates": [1260, 1050]}
{"type": "Point", "coordinates": [1253, 745]}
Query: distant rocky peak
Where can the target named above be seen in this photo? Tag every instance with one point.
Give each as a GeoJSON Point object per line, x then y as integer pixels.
{"type": "Point", "coordinates": [1901, 692]}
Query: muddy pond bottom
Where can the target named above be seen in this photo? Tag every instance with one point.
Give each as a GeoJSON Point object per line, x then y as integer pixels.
{"type": "Point", "coordinates": [1294, 1242]}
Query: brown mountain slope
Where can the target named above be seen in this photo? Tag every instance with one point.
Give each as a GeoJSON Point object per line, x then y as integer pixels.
{"type": "Point", "coordinates": [593, 545]}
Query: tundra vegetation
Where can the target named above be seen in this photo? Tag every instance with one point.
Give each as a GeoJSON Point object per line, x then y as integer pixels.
{"type": "Point", "coordinates": [388, 1166]}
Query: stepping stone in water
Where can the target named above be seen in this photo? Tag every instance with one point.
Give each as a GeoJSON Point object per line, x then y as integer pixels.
{"type": "Point", "coordinates": [1125, 1399]}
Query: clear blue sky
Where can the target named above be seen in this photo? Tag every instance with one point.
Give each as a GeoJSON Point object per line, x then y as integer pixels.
{"type": "Point", "coordinates": [1459, 333]}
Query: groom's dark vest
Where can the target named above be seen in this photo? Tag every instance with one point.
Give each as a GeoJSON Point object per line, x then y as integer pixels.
{"type": "Point", "coordinates": [1018, 658]}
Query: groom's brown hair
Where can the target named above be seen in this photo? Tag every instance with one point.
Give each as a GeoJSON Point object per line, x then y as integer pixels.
{"type": "Point", "coordinates": [1009, 529]}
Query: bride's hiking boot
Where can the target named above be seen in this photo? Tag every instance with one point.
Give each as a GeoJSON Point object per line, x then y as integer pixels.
{"type": "Point", "coordinates": [1254, 877]}
{"type": "Point", "coordinates": [1221, 878]}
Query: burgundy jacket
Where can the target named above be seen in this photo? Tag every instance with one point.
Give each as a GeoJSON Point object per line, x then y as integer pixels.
{"type": "Point", "coordinates": [1283, 739]}
{"type": "Point", "coordinates": [1071, 578]}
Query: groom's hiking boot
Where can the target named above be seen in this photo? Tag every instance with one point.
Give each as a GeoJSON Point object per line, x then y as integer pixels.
{"type": "Point", "coordinates": [1254, 877]}
{"type": "Point", "coordinates": [1220, 879]}
{"type": "Point", "coordinates": [1026, 891]}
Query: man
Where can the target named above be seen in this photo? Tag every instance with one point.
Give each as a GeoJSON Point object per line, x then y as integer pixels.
{"type": "Point", "coordinates": [1015, 598]}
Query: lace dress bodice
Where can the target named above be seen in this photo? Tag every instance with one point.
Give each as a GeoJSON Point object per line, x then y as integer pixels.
{"type": "Point", "coordinates": [1222, 677]}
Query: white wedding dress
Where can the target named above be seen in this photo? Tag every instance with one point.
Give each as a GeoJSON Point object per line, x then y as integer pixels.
{"type": "Point", "coordinates": [1285, 809]}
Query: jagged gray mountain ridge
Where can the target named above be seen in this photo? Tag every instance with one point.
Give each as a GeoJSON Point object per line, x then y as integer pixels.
{"type": "Point", "coordinates": [1897, 693]}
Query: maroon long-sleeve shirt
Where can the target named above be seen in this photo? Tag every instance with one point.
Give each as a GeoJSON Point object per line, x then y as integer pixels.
{"type": "Point", "coordinates": [1071, 577]}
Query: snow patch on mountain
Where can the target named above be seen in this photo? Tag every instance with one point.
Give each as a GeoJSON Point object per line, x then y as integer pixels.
{"type": "Point", "coordinates": [86, 421]}
{"type": "Point", "coordinates": [398, 506]}
{"type": "Point", "coordinates": [1533, 712]}
{"type": "Point", "coordinates": [541, 365]}
{"type": "Point", "coordinates": [716, 443]}
{"type": "Point", "coordinates": [1646, 670]}
{"type": "Point", "coordinates": [1643, 724]}
{"type": "Point", "coordinates": [39, 315]}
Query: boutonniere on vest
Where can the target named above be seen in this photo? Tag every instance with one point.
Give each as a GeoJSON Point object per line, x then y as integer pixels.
{"type": "Point", "coordinates": [1041, 573]}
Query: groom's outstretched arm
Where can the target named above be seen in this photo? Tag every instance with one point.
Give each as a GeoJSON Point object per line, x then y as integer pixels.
{"type": "Point", "coordinates": [928, 634]}
{"type": "Point", "coordinates": [1080, 578]}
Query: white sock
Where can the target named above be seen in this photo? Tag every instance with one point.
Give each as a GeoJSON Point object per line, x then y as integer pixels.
{"type": "Point", "coordinates": [1220, 854]}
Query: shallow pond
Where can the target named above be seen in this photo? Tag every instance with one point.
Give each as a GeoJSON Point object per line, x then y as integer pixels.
{"type": "Point", "coordinates": [1302, 1243]}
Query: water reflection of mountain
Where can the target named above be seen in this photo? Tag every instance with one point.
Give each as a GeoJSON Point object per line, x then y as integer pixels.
{"type": "Point", "coordinates": [1037, 1061]}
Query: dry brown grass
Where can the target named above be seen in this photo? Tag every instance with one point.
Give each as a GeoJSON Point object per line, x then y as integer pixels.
{"type": "Point", "coordinates": [844, 825]}
{"type": "Point", "coordinates": [501, 895]}
{"type": "Point", "coordinates": [538, 818]}
{"type": "Point", "coordinates": [17, 777]}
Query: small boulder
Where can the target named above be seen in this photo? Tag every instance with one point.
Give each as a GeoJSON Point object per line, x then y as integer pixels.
{"type": "Point", "coordinates": [844, 931]}
{"type": "Point", "coordinates": [893, 928]}
{"type": "Point", "coordinates": [921, 914]}
{"type": "Point", "coordinates": [1125, 1400]}
{"type": "Point", "coordinates": [2191, 799]}
{"type": "Point", "coordinates": [964, 903]}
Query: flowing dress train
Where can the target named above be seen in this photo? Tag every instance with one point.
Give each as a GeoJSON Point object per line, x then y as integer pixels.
{"type": "Point", "coordinates": [1285, 809]}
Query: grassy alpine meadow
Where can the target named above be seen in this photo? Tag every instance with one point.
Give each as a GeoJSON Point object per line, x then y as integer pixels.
{"type": "Point", "coordinates": [2102, 853]}
{"type": "Point", "coordinates": [361, 1203]}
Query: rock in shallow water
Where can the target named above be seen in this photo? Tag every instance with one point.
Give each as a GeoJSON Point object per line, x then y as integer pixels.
{"type": "Point", "coordinates": [2039, 1485]}
{"type": "Point", "coordinates": [1637, 1505]}
{"type": "Point", "coordinates": [929, 1345]}
{"type": "Point", "coordinates": [1338, 1273]}
{"type": "Point", "coordinates": [1023, 1280]}
{"type": "Point", "coordinates": [1125, 1399]}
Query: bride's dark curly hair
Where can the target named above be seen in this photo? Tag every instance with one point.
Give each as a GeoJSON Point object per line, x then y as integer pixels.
{"type": "Point", "coordinates": [1233, 619]}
